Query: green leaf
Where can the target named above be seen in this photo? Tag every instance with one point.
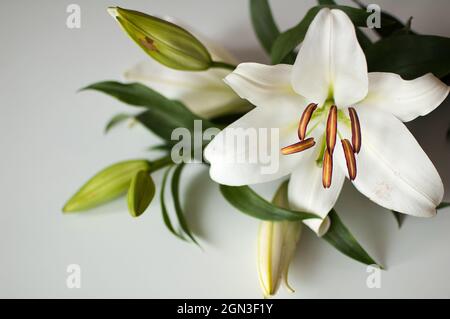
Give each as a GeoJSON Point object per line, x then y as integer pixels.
{"type": "Point", "coordinates": [162, 116]}
{"type": "Point", "coordinates": [164, 211]}
{"type": "Point", "coordinates": [106, 185]}
{"type": "Point", "coordinates": [263, 23]}
{"type": "Point", "coordinates": [340, 237]}
{"type": "Point", "coordinates": [160, 147]}
{"type": "Point", "coordinates": [265, 27]}
{"type": "Point", "coordinates": [386, 29]}
{"type": "Point", "coordinates": [130, 93]}
{"type": "Point", "coordinates": [115, 120]}
{"type": "Point", "coordinates": [176, 201]}
{"type": "Point", "coordinates": [410, 55]}
{"type": "Point", "coordinates": [443, 205]}
{"type": "Point", "coordinates": [289, 40]}
{"type": "Point", "coordinates": [399, 217]}
{"type": "Point", "coordinates": [249, 202]}
{"type": "Point", "coordinates": [325, 2]}
{"type": "Point", "coordinates": [140, 193]}
{"type": "Point", "coordinates": [363, 39]}
{"type": "Point", "coordinates": [405, 30]}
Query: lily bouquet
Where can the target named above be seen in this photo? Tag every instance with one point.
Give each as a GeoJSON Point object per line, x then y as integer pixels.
{"type": "Point", "coordinates": [331, 106]}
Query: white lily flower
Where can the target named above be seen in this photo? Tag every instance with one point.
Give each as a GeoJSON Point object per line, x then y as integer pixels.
{"type": "Point", "coordinates": [203, 92]}
{"type": "Point", "coordinates": [329, 91]}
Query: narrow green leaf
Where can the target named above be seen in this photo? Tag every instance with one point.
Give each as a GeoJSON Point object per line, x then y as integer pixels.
{"type": "Point", "coordinates": [410, 55]}
{"type": "Point", "coordinates": [160, 147]}
{"type": "Point", "coordinates": [325, 2]}
{"type": "Point", "coordinates": [164, 211]}
{"type": "Point", "coordinates": [399, 217]}
{"type": "Point", "coordinates": [443, 205]}
{"type": "Point", "coordinates": [249, 202]}
{"type": "Point", "coordinates": [106, 185]}
{"type": "Point", "coordinates": [130, 93]}
{"type": "Point", "coordinates": [388, 29]}
{"type": "Point", "coordinates": [265, 26]}
{"type": "Point", "coordinates": [340, 237]}
{"type": "Point", "coordinates": [175, 187]}
{"type": "Point", "coordinates": [405, 30]}
{"type": "Point", "coordinates": [140, 193]}
{"type": "Point", "coordinates": [363, 39]}
{"type": "Point", "coordinates": [162, 116]}
{"type": "Point", "coordinates": [263, 23]}
{"type": "Point", "coordinates": [115, 120]}
{"type": "Point", "coordinates": [290, 39]}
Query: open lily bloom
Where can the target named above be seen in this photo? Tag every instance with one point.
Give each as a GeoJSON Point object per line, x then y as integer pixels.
{"type": "Point", "coordinates": [335, 119]}
{"type": "Point", "coordinates": [203, 92]}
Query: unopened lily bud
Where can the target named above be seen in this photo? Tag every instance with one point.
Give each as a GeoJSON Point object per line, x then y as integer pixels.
{"type": "Point", "coordinates": [276, 248]}
{"type": "Point", "coordinates": [164, 41]}
{"type": "Point", "coordinates": [106, 185]}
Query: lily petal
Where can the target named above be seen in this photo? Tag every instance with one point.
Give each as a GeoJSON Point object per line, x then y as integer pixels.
{"type": "Point", "coordinates": [265, 85]}
{"type": "Point", "coordinates": [307, 194]}
{"type": "Point", "coordinates": [393, 170]}
{"type": "Point", "coordinates": [204, 93]}
{"type": "Point", "coordinates": [405, 99]}
{"type": "Point", "coordinates": [262, 131]}
{"type": "Point", "coordinates": [331, 61]}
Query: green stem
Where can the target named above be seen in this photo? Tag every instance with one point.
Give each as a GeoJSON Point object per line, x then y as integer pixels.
{"type": "Point", "coordinates": [160, 163]}
{"type": "Point", "coordinates": [223, 65]}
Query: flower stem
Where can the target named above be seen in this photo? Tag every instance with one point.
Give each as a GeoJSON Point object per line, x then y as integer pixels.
{"type": "Point", "coordinates": [160, 163]}
{"type": "Point", "coordinates": [223, 65]}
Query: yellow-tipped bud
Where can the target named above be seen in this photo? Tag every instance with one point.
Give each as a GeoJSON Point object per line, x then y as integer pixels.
{"type": "Point", "coordinates": [276, 248]}
{"type": "Point", "coordinates": [164, 41]}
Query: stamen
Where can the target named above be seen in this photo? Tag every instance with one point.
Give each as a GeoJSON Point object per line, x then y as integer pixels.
{"type": "Point", "coordinates": [349, 158]}
{"type": "Point", "coordinates": [304, 120]}
{"type": "Point", "coordinates": [298, 147]}
{"type": "Point", "coordinates": [327, 169]}
{"type": "Point", "coordinates": [331, 129]}
{"type": "Point", "coordinates": [356, 130]}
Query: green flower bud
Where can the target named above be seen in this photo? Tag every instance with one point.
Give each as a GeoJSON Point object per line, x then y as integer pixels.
{"type": "Point", "coordinates": [165, 42]}
{"type": "Point", "coordinates": [141, 192]}
{"type": "Point", "coordinates": [106, 185]}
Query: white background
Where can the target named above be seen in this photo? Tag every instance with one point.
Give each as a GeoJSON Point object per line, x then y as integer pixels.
{"type": "Point", "coordinates": [51, 141]}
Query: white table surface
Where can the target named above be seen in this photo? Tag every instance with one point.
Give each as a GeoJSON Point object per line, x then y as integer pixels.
{"type": "Point", "coordinates": [51, 141]}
